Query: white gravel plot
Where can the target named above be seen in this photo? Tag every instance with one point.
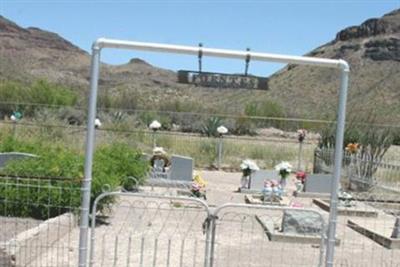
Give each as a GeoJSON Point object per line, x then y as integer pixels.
{"type": "Point", "coordinates": [144, 232]}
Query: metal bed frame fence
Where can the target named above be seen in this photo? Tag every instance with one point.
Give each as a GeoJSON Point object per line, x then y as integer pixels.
{"type": "Point", "coordinates": [148, 229]}
{"type": "Point", "coordinates": [37, 218]}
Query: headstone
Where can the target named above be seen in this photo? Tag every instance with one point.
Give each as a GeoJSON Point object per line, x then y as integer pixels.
{"type": "Point", "coordinates": [258, 178]}
{"type": "Point", "coordinates": [9, 156]}
{"type": "Point", "coordinates": [301, 222]}
{"type": "Point", "coordinates": [181, 168]}
{"type": "Point", "coordinates": [318, 183]}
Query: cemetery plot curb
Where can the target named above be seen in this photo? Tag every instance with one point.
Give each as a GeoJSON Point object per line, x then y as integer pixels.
{"type": "Point", "coordinates": [364, 211]}
{"type": "Point", "coordinates": [25, 247]}
{"type": "Point", "coordinates": [387, 242]}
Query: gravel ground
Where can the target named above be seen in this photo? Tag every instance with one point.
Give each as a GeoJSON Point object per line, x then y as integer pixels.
{"type": "Point", "coordinates": [137, 227]}
{"type": "Point", "coordinates": [11, 226]}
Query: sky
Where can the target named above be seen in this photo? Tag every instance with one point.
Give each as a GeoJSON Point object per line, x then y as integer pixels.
{"type": "Point", "coordinates": [285, 27]}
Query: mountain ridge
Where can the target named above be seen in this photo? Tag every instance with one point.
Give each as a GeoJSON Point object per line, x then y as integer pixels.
{"type": "Point", "coordinates": [371, 48]}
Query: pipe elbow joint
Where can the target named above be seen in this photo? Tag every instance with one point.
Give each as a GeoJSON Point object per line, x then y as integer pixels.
{"type": "Point", "coordinates": [344, 65]}
{"type": "Point", "coordinates": [98, 44]}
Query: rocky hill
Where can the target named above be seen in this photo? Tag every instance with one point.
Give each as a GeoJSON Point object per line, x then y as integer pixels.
{"type": "Point", "coordinates": [372, 49]}
{"type": "Point", "coordinates": [373, 52]}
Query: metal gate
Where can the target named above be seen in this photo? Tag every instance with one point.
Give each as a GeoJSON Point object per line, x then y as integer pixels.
{"type": "Point", "coordinates": [150, 230]}
{"type": "Point", "coordinates": [156, 230]}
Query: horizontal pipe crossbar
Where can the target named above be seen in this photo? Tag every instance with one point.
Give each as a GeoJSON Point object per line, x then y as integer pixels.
{"type": "Point", "coordinates": [224, 53]}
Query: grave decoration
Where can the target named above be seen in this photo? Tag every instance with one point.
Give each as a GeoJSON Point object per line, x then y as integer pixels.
{"type": "Point", "coordinates": [284, 169]}
{"type": "Point", "coordinates": [272, 191]}
{"type": "Point", "coordinates": [301, 176]}
{"type": "Point", "coordinates": [16, 116]}
{"type": "Point", "coordinates": [301, 135]}
{"type": "Point", "coordinates": [352, 148]}
{"type": "Point", "coordinates": [198, 186]}
{"type": "Point", "coordinates": [248, 167]}
{"type": "Point", "coordinates": [345, 199]}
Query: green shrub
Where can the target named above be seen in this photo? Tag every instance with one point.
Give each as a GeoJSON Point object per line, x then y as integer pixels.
{"type": "Point", "coordinates": [40, 91]}
{"type": "Point", "coordinates": [114, 163]}
{"type": "Point", "coordinates": [267, 108]}
{"type": "Point", "coordinates": [50, 197]}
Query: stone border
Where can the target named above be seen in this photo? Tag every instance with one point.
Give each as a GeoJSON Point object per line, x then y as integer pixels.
{"type": "Point", "coordinates": [311, 195]}
{"type": "Point", "coordinates": [28, 245]}
{"type": "Point", "coordinates": [255, 199]}
{"type": "Point", "coordinates": [289, 238]}
{"type": "Point", "coordinates": [346, 211]}
{"type": "Point", "coordinates": [387, 242]}
{"type": "Point", "coordinates": [248, 191]}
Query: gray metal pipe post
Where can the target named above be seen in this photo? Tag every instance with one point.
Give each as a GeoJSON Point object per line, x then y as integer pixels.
{"type": "Point", "coordinates": [341, 118]}
{"type": "Point", "coordinates": [90, 137]}
{"type": "Point", "coordinates": [299, 156]}
{"type": "Point", "coordinates": [219, 152]}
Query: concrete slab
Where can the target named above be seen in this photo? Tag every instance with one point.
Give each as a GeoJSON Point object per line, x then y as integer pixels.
{"type": "Point", "coordinates": [277, 236]}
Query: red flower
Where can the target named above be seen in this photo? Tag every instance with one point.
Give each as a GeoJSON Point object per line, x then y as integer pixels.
{"type": "Point", "coordinates": [302, 176]}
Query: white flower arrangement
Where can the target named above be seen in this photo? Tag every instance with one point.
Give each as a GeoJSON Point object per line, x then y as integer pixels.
{"type": "Point", "coordinates": [222, 130]}
{"type": "Point", "coordinates": [155, 125]}
{"type": "Point", "coordinates": [248, 164]}
{"type": "Point", "coordinates": [97, 123]}
{"type": "Point", "coordinates": [284, 169]}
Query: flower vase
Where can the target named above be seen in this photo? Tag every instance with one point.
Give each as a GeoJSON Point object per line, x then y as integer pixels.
{"type": "Point", "coordinates": [283, 182]}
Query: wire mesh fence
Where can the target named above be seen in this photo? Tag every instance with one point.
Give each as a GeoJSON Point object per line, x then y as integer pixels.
{"type": "Point", "coordinates": [35, 214]}
{"type": "Point", "coordinates": [267, 151]}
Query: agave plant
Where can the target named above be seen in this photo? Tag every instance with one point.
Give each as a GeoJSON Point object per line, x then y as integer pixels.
{"type": "Point", "coordinates": [211, 125]}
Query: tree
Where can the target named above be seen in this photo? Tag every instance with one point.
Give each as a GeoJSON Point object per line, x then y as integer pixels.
{"type": "Point", "coordinates": [373, 141]}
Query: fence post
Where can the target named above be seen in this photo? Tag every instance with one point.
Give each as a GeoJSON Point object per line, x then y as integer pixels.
{"type": "Point", "coordinates": [341, 119]}
{"type": "Point", "coordinates": [219, 152]}
{"type": "Point", "coordinates": [90, 136]}
{"type": "Point", "coordinates": [211, 231]}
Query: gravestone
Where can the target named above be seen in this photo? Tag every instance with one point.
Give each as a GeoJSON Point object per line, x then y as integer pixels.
{"type": "Point", "coordinates": [180, 173]}
{"type": "Point", "coordinates": [318, 183]}
{"type": "Point", "coordinates": [10, 156]}
{"type": "Point", "coordinates": [301, 222]}
{"type": "Point", "coordinates": [258, 179]}
{"type": "Point", "coordinates": [181, 168]}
